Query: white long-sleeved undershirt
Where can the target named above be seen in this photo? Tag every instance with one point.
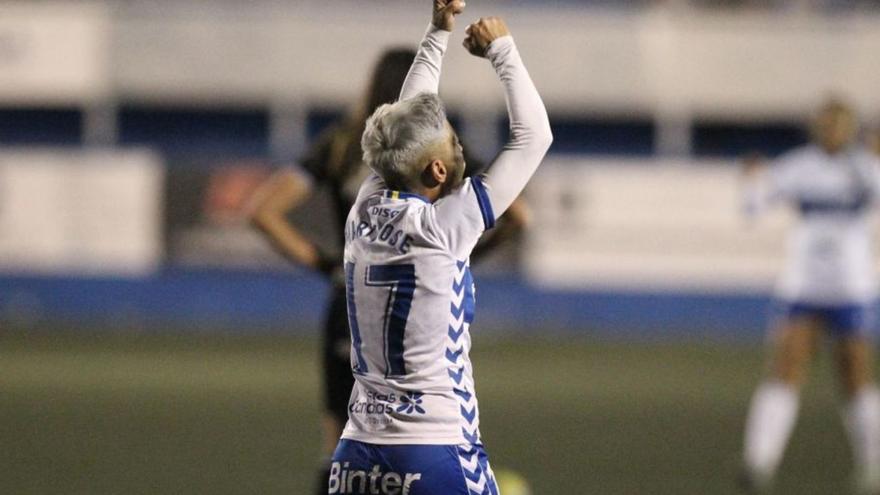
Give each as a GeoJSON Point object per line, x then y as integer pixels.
{"type": "Point", "coordinates": [530, 135]}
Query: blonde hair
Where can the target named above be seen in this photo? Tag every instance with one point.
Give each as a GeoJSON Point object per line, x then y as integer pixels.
{"type": "Point", "coordinates": [397, 134]}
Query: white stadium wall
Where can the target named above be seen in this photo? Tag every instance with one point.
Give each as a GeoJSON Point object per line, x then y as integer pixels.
{"type": "Point", "coordinates": [54, 53]}
{"type": "Point", "coordinates": [93, 213]}
{"type": "Point", "coordinates": [661, 61]}
{"type": "Point", "coordinates": [649, 225]}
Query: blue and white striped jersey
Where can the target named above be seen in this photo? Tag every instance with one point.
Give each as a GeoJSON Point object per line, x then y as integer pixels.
{"type": "Point", "coordinates": [410, 305]}
{"type": "Point", "coordinates": [830, 259]}
{"type": "Point", "coordinates": [410, 290]}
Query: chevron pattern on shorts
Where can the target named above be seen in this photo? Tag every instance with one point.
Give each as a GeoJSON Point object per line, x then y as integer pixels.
{"type": "Point", "coordinates": [478, 475]}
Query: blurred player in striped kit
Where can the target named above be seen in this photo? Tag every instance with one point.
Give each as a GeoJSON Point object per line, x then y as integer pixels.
{"type": "Point", "coordinates": [334, 164]}
{"type": "Point", "coordinates": [828, 287]}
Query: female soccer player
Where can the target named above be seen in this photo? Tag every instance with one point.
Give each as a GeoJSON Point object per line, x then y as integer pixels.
{"type": "Point", "coordinates": [828, 286]}
{"type": "Point", "coordinates": [414, 420]}
{"type": "Point", "coordinates": [335, 162]}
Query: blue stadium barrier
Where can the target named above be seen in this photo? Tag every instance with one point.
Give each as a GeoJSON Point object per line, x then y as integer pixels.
{"type": "Point", "coordinates": [248, 302]}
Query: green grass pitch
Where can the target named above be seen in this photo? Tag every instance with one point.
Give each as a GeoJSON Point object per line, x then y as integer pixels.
{"type": "Point", "coordinates": [233, 415]}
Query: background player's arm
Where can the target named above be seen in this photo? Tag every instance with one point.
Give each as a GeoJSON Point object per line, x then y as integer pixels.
{"type": "Point", "coordinates": [870, 167]}
{"type": "Point", "coordinates": [764, 183]}
{"type": "Point", "coordinates": [530, 135]}
{"type": "Point", "coordinates": [283, 192]}
{"type": "Point", "coordinates": [753, 168]}
{"type": "Point", "coordinates": [873, 141]}
{"type": "Point", "coordinates": [509, 226]}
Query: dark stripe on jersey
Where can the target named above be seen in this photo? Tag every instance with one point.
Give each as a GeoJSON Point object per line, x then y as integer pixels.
{"type": "Point", "coordinates": [483, 201]}
{"type": "Point", "coordinates": [810, 207]}
{"type": "Point", "coordinates": [361, 366]}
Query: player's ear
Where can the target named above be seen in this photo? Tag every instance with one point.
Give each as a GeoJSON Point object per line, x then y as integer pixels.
{"type": "Point", "coordinates": [435, 174]}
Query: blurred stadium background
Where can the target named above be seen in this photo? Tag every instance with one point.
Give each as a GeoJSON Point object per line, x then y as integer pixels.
{"type": "Point", "coordinates": [151, 342]}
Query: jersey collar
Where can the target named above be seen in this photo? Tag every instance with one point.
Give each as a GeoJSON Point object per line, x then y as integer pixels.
{"type": "Point", "coordinates": [404, 195]}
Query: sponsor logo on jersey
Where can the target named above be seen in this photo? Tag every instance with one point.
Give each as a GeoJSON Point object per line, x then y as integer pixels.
{"type": "Point", "coordinates": [411, 403]}
{"type": "Point", "coordinates": [374, 482]}
{"type": "Point", "coordinates": [381, 404]}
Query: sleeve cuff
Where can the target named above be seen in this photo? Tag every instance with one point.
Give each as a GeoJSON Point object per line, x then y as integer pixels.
{"type": "Point", "coordinates": [499, 48]}
{"type": "Point", "coordinates": [437, 34]}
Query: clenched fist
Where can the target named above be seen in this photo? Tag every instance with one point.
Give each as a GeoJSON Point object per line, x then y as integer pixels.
{"type": "Point", "coordinates": [482, 33]}
{"type": "Point", "coordinates": [445, 12]}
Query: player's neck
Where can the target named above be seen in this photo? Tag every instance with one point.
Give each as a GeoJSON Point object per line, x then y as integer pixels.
{"type": "Point", "coordinates": [833, 150]}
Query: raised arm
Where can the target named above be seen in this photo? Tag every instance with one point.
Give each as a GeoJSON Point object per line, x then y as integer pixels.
{"type": "Point", "coordinates": [530, 135]}
{"type": "Point", "coordinates": [424, 75]}
{"type": "Point", "coordinates": [754, 195]}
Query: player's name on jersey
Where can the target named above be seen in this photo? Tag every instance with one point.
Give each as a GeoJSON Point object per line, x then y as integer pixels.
{"type": "Point", "coordinates": [376, 232]}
